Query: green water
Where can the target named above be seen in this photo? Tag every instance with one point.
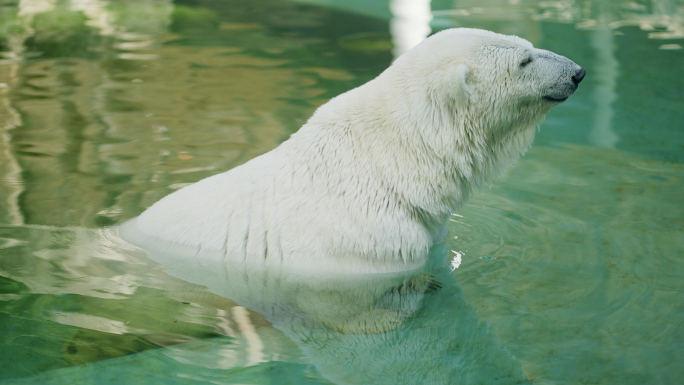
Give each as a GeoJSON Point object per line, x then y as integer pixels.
{"type": "Point", "coordinates": [572, 268]}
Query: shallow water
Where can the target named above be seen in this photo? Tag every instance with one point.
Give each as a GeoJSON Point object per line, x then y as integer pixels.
{"type": "Point", "coordinates": [571, 270]}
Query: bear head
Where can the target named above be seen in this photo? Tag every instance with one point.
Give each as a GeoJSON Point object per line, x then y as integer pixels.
{"type": "Point", "coordinates": [469, 102]}
{"type": "Point", "coordinates": [495, 74]}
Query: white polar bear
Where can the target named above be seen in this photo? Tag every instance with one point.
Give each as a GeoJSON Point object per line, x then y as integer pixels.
{"type": "Point", "coordinates": [370, 180]}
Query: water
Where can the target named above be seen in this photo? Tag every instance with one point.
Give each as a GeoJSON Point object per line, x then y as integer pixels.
{"type": "Point", "coordinates": [570, 268]}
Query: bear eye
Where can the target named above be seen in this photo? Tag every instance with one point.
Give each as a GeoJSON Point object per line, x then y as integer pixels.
{"type": "Point", "coordinates": [525, 62]}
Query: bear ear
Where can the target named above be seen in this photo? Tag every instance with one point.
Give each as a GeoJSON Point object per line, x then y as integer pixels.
{"type": "Point", "coordinates": [460, 78]}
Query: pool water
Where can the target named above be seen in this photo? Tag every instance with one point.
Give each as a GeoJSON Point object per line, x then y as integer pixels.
{"type": "Point", "coordinates": [570, 264]}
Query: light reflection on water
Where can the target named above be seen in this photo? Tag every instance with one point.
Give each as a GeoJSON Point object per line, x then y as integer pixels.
{"type": "Point", "coordinates": [570, 270]}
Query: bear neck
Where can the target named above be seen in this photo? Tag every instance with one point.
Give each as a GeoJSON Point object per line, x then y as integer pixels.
{"type": "Point", "coordinates": [424, 157]}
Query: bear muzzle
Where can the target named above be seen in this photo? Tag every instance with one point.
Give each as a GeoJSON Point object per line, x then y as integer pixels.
{"type": "Point", "coordinates": [577, 77]}
{"type": "Point", "coordinates": [562, 91]}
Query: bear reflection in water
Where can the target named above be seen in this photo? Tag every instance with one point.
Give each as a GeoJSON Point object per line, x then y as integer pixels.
{"type": "Point", "coordinates": [329, 234]}
{"type": "Point", "coordinates": [403, 327]}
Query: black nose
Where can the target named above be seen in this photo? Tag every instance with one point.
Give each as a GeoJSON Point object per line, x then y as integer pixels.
{"type": "Point", "coordinates": [577, 78]}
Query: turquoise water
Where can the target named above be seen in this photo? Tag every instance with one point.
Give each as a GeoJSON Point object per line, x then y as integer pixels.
{"type": "Point", "coordinates": [571, 266]}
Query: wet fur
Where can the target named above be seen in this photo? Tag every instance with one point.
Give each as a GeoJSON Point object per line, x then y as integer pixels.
{"type": "Point", "coordinates": [372, 177]}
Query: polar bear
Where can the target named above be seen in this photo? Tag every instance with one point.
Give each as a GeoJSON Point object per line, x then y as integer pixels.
{"type": "Point", "coordinates": [372, 177]}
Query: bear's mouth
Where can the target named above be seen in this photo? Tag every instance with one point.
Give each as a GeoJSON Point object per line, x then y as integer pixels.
{"type": "Point", "coordinates": [555, 100]}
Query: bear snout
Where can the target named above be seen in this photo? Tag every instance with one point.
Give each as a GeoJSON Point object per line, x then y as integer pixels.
{"type": "Point", "coordinates": [566, 85]}
{"type": "Point", "coordinates": [578, 76]}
